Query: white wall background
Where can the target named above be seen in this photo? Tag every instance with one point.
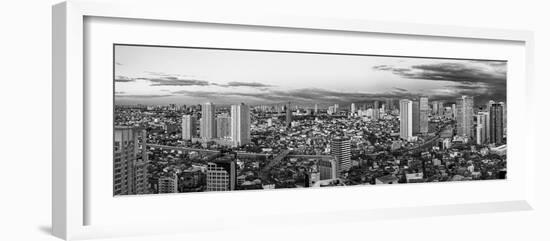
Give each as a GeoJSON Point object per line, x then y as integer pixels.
{"type": "Point", "coordinates": [25, 120]}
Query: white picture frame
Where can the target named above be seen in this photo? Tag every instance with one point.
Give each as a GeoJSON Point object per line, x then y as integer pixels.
{"type": "Point", "coordinates": [70, 195]}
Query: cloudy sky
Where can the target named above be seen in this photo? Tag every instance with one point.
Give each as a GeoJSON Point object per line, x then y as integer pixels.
{"type": "Point", "coordinates": [163, 75]}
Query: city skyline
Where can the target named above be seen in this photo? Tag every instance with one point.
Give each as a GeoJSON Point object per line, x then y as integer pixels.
{"type": "Point", "coordinates": [208, 120]}
{"type": "Point", "coordinates": [165, 75]}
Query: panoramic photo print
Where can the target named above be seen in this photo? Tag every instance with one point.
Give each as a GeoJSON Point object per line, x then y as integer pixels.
{"type": "Point", "coordinates": [203, 119]}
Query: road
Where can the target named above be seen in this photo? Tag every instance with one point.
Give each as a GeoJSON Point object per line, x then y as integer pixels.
{"type": "Point", "coordinates": [312, 156]}
{"type": "Point", "coordinates": [275, 161]}
{"type": "Point", "coordinates": [182, 148]}
{"type": "Point", "coordinates": [430, 141]}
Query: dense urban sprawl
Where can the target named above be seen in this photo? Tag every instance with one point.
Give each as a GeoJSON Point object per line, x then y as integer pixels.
{"type": "Point", "coordinates": [216, 147]}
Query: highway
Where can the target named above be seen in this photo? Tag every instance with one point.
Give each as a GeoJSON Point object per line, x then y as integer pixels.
{"type": "Point", "coordinates": [182, 148]}
{"type": "Point", "coordinates": [312, 156]}
{"type": "Point", "coordinates": [275, 161]}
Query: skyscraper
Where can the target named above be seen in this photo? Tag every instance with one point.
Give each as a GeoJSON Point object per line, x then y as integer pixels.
{"type": "Point", "coordinates": [240, 124]}
{"type": "Point", "coordinates": [130, 159]}
{"type": "Point", "coordinates": [465, 111]}
{"type": "Point", "coordinates": [489, 104]}
{"type": "Point", "coordinates": [376, 111]}
{"type": "Point", "coordinates": [440, 108]}
{"type": "Point", "coordinates": [487, 127]}
{"type": "Point", "coordinates": [453, 108]}
{"type": "Point", "coordinates": [497, 123]}
{"type": "Point", "coordinates": [416, 117]}
{"type": "Point", "coordinates": [481, 127]}
{"type": "Point", "coordinates": [208, 121]}
{"type": "Point", "coordinates": [375, 114]}
{"type": "Point", "coordinates": [223, 126]}
{"type": "Point", "coordinates": [353, 108]}
{"type": "Point", "coordinates": [288, 115]}
{"type": "Point", "coordinates": [140, 174]}
{"type": "Point", "coordinates": [221, 174]}
{"type": "Point", "coordinates": [389, 104]}
{"type": "Point", "coordinates": [341, 149]}
{"type": "Point", "coordinates": [188, 128]}
{"type": "Point", "coordinates": [316, 109]}
{"type": "Point", "coordinates": [424, 114]}
{"type": "Point", "coordinates": [405, 119]}
{"type": "Point", "coordinates": [435, 106]}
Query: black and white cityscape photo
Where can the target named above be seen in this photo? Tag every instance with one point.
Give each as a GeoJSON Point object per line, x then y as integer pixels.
{"type": "Point", "coordinates": [205, 120]}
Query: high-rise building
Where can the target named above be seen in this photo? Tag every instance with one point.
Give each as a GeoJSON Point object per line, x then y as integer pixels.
{"type": "Point", "coordinates": [482, 125]}
{"type": "Point", "coordinates": [405, 119]}
{"type": "Point", "coordinates": [221, 174]}
{"type": "Point", "coordinates": [489, 104]}
{"type": "Point", "coordinates": [389, 104]}
{"type": "Point", "coordinates": [240, 124]}
{"type": "Point", "coordinates": [223, 126]}
{"type": "Point", "coordinates": [486, 126]}
{"type": "Point", "coordinates": [453, 109]}
{"type": "Point", "coordinates": [140, 176]}
{"type": "Point", "coordinates": [316, 109]}
{"type": "Point", "coordinates": [465, 111]}
{"type": "Point", "coordinates": [435, 107]}
{"type": "Point", "coordinates": [496, 123]}
{"type": "Point", "coordinates": [440, 108]}
{"type": "Point", "coordinates": [288, 115]}
{"type": "Point", "coordinates": [376, 110]}
{"type": "Point", "coordinates": [424, 114]}
{"type": "Point", "coordinates": [188, 128]}
{"type": "Point", "coordinates": [330, 110]}
{"type": "Point", "coordinates": [375, 114]}
{"type": "Point", "coordinates": [353, 110]}
{"type": "Point", "coordinates": [327, 169]}
{"type": "Point", "coordinates": [130, 160]}
{"type": "Point", "coordinates": [208, 121]}
{"type": "Point", "coordinates": [416, 117]}
{"type": "Point", "coordinates": [341, 149]}
{"type": "Point", "coordinates": [168, 183]}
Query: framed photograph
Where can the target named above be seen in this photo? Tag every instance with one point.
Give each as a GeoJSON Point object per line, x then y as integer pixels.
{"type": "Point", "coordinates": [180, 121]}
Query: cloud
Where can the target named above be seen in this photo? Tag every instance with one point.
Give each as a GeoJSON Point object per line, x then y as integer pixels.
{"type": "Point", "coordinates": [493, 72]}
{"type": "Point", "coordinates": [120, 78]}
{"type": "Point", "coordinates": [482, 79]}
{"type": "Point", "coordinates": [400, 89]}
{"type": "Point", "coordinates": [164, 79]}
{"type": "Point", "coordinates": [383, 67]}
{"type": "Point", "coordinates": [298, 96]}
{"type": "Point", "coordinates": [175, 81]}
{"type": "Point", "coordinates": [246, 84]}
